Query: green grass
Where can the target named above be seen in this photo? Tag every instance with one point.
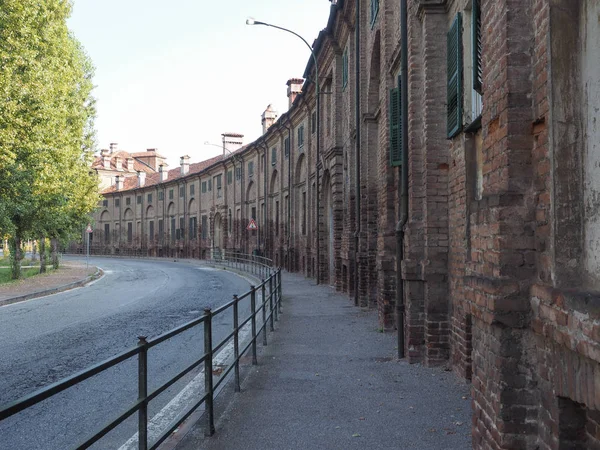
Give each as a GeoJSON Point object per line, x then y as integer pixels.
{"type": "Point", "coordinates": [26, 273]}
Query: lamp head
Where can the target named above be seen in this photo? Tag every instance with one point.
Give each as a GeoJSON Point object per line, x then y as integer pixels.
{"type": "Point", "coordinates": [250, 21]}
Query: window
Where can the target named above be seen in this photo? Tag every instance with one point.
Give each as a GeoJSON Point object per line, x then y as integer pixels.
{"type": "Point", "coordinates": [106, 233]}
{"type": "Point", "coordinates": [161, 195]}
{"type": "Point", "coordinates": [209, 184]}
{"type": "Point", "coordinates": [229, 177]}
{"type": "Point", "coordinates": [117, 202]}
{"type": "Point", "coordinates": [139, 200]}
{"type": "Point", "coordinates": [395, 119]}
{"type": "Point", "coordinates": [238, 173]}
{"type": "Point", "coordinates": [170, 194]}
{"type": "Point", "coordinates": [151, 230]}
{"type": "Point", "coordinates": [345, 68]}
{"type": "Point", "coordinates": [218, 181]}
{"type": "Point", "coordinates": [105, 203]}
{"type": "Point", "coordinates": [286, 146]}
{"type": "Point", "coordinates": [250, 169]}
{"type": "Point", "coordinates": [313, 122]}
{"type": "Point", "coordinates": [204, 187]}
{"type": "Point", "coordinates": [476, 47]}
{"type": "Point", "coordinates": [182, 227]}
{"type": "Point", "coordinates": [149, 198]}
{"type": "Point", "coordinates": [161, 229]}
{"type": "Point", "coordinates": [301, 136]}
{"type": "Point", "coordinates": [204, 227]}
{"type": "Point", "coordinates": [192, 189]}
{"type": "Point", "coordinates": [129, 232]}
{"type": "Point", "coordinates": [127, 201]}
{"type": "Point", "coordinates": [193, 227]}
{"type": "Point", "coordinates": [181, 191]}
{"type": "Point", "coordinates": [374, 11]}
{"type": "Point", "coordinates": [303, 230]}
{"type": "Point", "coordinates": [173, 229]}
{"type": "Point", "coordinates": [274, 156]}
{"type": "Point", "coordinates": [263, 162]}
{"type": "Point", "coordinates": [229, 221]}
{"type": "Point", "coordinates": [454, 77]}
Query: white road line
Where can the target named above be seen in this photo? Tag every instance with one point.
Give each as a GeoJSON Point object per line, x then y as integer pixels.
{"type": "Point", "coordinates": [188, 395]}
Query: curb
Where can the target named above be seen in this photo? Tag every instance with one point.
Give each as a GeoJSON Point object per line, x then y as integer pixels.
{"type": "Point", "coordinates": [65, 287]}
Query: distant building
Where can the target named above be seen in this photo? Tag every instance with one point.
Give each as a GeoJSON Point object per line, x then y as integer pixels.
{"type": "Point", "coordinates": [114, 163]}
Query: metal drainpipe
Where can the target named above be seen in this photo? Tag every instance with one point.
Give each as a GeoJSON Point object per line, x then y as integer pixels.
{"type": "Point", "coordinates": [266, 226]}
{"type": "Point", "coordinates": [357, 152]}
{"type": "Point", "coordinates": [289, 209]}
{"type": "Point", "coordinates": [403, 182]}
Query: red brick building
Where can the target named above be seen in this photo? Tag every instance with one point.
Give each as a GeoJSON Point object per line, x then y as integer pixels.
{"type": "Point", "coordinates": [491, 108]}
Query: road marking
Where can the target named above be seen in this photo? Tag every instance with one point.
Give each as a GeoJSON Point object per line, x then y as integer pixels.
{"type": "Point", "coordinates": [188, 395]}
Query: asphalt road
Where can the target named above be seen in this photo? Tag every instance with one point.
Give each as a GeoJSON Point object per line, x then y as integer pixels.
{"type": "Point", "coordinates": [46, 339]}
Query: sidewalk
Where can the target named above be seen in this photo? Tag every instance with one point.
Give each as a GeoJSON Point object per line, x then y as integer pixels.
{"type": "Point", "coordinates": [329, 380]}
{"type": "Point", "coordinates": [69, 275]}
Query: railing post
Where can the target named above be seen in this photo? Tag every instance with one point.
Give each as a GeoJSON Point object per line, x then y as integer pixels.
{"type": "Point", "coordinates": [208, 374]}
{"type": "Point", "coordinates": [264, 312]}
{"type": "Point", "coordinates": [236, 343]}
{"type": "Point", "coordinates": [143, 393]}
{"type": "Point", "coordinates": [253, 309]}
{"type": "Point", "coordinates": [280, 287]}
{"type": "Point", "coordinates": [271, 316]}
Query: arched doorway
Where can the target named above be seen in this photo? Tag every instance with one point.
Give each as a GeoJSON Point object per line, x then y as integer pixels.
{"type": "Point", "coordinates": [328, 224]}
{"type": "Point", "coordinates": [217, 236]}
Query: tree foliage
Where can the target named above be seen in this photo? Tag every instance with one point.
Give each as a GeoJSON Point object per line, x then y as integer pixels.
{"type": "Point", "coordinates": [46, 123]}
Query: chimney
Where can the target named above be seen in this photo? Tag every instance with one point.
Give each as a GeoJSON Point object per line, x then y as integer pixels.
{"type": "Point", "coordinates": [113, 147]}
{"type": "Point", "coordinates": [232, 142]}
{"type": "Point", "coordinates": [163, 174]}
{"type": "Point", "coordinates": [268, 118]}
{"type": "Point", "coordinates": [119, 182]}
{"type": "Point", "coordinates": [294, 88]}
{"type": "Point", "coordinates": [119, 163]}
{"type": "Point", "coordinates": [105, 159]}
{"type": "Point", "coordinates": [185, 164]}
{"type": "Point", "coordinates": [141, 178]}
{"type": "Point", "coordinates": [129, 164]}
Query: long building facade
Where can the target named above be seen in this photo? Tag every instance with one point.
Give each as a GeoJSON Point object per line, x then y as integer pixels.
{"type": "Point", "coordinates": [475, 143]}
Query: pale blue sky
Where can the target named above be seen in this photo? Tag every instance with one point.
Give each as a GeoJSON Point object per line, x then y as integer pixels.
{"type": "Point", "coordinates": [172, 75]}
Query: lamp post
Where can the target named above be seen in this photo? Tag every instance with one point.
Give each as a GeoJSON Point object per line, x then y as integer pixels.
{"type": "Point", "coordinates": [251, 21]}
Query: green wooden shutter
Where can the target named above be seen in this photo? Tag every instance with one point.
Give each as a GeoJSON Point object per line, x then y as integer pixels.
{"type": "Point", "coordinates": [395, 116]}
{"type": "Point", "coordinates": [455, 67]}
{"type": "Point", "coordinates": [477, 46]}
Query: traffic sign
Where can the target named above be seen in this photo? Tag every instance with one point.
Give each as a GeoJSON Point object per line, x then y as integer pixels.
{"type": "Point", "coordinates": [252, 225]}
{"type": "Point", "coordinates": [88, 229]}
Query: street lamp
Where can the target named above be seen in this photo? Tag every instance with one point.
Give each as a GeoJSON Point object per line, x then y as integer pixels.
{"type": "Point", "coordinates": [251, 21]}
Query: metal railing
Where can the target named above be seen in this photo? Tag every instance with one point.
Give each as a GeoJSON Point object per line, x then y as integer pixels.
{"type": "Point", "coordinates": [269, 308]}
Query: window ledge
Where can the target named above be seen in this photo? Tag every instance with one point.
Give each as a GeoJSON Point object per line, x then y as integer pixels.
{"type": "Point", "coordinates": [474, 126]}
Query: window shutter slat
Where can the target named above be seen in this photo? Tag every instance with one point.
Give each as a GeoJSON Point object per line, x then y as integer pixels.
{"type": "Point", "coordinates": [477, 47]}
{"type": "Point", "coordinates": [395, 130]}
{"type": "Point", "coordinates": [454, 67]}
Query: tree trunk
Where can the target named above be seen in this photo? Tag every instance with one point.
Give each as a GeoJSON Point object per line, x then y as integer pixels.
{"type": "Point", "coordinates": [42, 255]}
{"type": "Point", "coordinates": [33, 249]}
{"type": "Point", "coordinates": [54, 252]}
{"type": "Point", "coordinates": [16, 255]}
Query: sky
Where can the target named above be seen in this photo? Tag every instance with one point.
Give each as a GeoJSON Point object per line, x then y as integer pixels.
{"type": "Point", "coordinates": [174, 75]}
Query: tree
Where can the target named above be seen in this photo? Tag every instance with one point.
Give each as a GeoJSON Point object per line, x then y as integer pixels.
{"type": "Point", "coordinates": [46, 124]}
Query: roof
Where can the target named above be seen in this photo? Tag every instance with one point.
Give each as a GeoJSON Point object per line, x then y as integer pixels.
{"type": "Point", "coordinates": [98, 162]}
{"type": "Point", "coordinates": [153, 179]}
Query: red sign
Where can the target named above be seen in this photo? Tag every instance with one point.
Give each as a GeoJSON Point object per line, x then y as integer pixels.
{"type": "Point", "coordinates": [252, 225]}
{"type": "Point", "coordinates": [88, 229]}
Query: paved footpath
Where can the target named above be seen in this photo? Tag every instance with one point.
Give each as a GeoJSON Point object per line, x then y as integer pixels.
{"type": "Point", "coordinates": [329, 380]}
